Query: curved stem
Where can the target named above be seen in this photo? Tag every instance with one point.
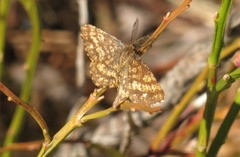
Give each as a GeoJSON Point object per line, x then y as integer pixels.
{"type": "Point", "coordinates": [30, 109]}
{"type": "Point", "coordinates": [30, 65]}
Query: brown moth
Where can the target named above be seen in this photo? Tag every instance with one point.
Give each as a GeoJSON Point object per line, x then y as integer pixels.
{"type": "Point", "coordinates": [117, 65]}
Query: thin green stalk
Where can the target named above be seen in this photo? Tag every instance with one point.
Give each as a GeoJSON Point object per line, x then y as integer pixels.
{"type": "Point", "coordinates": [4, 7]}
{"type": "Point", "coordinates": [225, 127]}
{"type": "Point", "coordinates": [221, 85]}
{"type": "Point", "coordinates": [30, 65]}
{"type": "Point", "coordinates": [220, 23]}
{"type": "Point", "coordinates": [190, 93]}
{"type": "Point", "coordinates": [98, 114]}
{"type": "Point", "coordinates": [75, 122]}
{"type": "Point", "coordinates": [213, 61]}
{"type": "Point", "coordinates": [178, 110]}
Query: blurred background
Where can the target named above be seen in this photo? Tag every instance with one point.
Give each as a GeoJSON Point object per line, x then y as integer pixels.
{"type": "Point", "coordinates": [62, 82]}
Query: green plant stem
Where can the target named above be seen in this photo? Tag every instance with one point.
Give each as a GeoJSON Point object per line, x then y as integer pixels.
{"type": "Point", "coordinates": [220, 138]}
{"type": "Point", "coordinates": [188, 96]}
{"type": "Point", "coordinates": [220, 23]}
{"type": "Point", "coordinates": [227, 80]}
{"type": "Point", "coordinates": [98, 114]}
{"type": "Point", "coordinates": [4, 7]}
{"type": "Point", "coordinates": [178, 110]}
{"type": "Point", "coordinates": [30, 65]}
{"type": "Point", "coordinates": [75, 122]}
{"type": "Point", "coordinates": [213, 61]}
{"type": "Point", "coordinates": [221, 85]}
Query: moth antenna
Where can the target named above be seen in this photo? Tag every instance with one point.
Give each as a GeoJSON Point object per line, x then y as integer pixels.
{"type": "Point", "coordinates": [134, 31]}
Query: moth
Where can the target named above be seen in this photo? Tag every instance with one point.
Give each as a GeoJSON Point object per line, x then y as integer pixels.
{"type": "Point", "coordinates": [118, 65]}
